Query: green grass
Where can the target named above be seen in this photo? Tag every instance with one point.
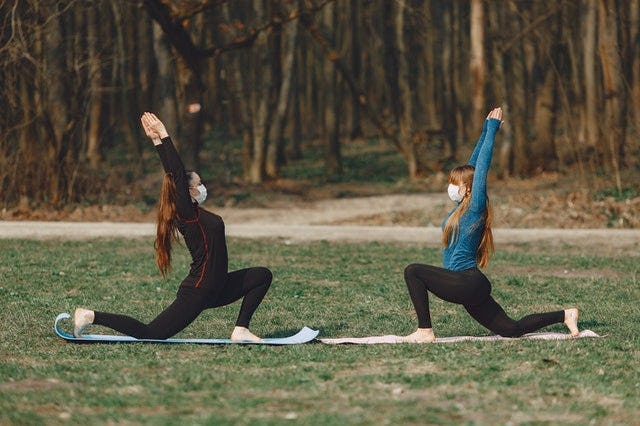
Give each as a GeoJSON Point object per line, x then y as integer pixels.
{"type": "Point", "coordinates": [341, 289]}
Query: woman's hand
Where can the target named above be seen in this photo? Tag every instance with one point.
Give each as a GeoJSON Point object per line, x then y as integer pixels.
{"type": "Point", "coordinates": [496, 113]}
{"type": "Point", "coordinates": [149, 132]}
{"type": "Point", "coordinates": [153, 127]}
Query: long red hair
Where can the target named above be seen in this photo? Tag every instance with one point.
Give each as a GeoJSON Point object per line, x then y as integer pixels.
{"type": "Point", "coordinates": [463, 175]}
{"type": "Point", "coordinates": [166, 231]}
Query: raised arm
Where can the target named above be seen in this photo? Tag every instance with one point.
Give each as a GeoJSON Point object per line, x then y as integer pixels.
{"type": "Point", "coordinates": [483, 160]}
{"type": "Point", "coordinates": [156, 131]}
{"type": "Point", "coordinates": [476, 150]}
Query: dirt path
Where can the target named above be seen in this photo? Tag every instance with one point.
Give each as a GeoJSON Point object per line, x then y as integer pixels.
{"type": "Point", "coordinates": [336, 220]}
{"type": "Point", "coordinates": [597, 238]}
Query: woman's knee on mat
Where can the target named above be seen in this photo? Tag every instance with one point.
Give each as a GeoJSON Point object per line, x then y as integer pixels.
{"type": "Point", "coordinates": [506, 329]}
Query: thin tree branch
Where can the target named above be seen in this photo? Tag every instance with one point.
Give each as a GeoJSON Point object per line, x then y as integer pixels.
{"type": "Point", "coordinates": [172, 25]}
{"type": "Point", "coordinates": [332, 55]}
{"type": "Point", "coordinates": [177, 34]}
{"type": "Point", "coordinates": [275, 21]}
{"type": "Point", "coordinates": [506, 46]}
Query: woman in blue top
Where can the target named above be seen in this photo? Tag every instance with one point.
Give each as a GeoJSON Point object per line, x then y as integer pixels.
{"type": "Point", "coordinates": [468, 243]}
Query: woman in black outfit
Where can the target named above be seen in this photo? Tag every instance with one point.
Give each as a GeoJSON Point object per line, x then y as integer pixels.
{"type": "Point", "coordinates": [208, 284]}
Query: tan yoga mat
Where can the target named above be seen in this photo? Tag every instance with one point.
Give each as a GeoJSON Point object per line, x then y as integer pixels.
{"type": "Point", "coordinates": [391, 338]}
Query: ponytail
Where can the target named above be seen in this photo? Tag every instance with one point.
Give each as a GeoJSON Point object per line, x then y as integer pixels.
{"type": "Point", "coordinates": [166, 230]}
{"type": "Point", "coordinates": [485, 249]}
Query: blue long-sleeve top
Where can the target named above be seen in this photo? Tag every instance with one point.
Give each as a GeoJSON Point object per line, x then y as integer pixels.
{"type": "Point", "coordinates": [461, 252]}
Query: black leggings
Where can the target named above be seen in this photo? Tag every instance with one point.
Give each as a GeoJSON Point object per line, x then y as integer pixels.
{"type": "Point", "coordinates": [472, 290]}
{"type": "Point", "coordinates": [250, 283]}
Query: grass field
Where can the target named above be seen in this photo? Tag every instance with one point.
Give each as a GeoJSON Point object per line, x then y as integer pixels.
{"type": "Point", "coordinates": [342, 290]}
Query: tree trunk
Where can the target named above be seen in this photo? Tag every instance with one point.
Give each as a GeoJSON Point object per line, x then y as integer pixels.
{"type": "Point", "coordinates": [589, 25]}
{"type": "Point", "coordinates": [614, 91]}
{"type": "Point", "coordinates": [241, 100]}
{"type": "Point", "coordinates": [460, 79]}
{"type": "Point", "coordinates": [95, 89]}
{"type": "Point", "coordinates": [191, 93]}
{"type": "Point", "coordinates": [191, 115]}
{"type": "Point", "coordinates": [544, 95]}
{"type": "Point", "coordinates": [499, 80]}
{"type": "Point", "coordinates": [518, 96]}
{"type": "Point", "coordinates": [390, 62]}
{"type": "Point", "coordinates": [125, 112]}
{"type": "Point", "coordinates": [356, 67]}
{"type": "Point", "coordinates": [332, 157]}
{"type": "Point", "coordinates": [311, 71]}
{"type": "Point", "coordinates": [260, 101]}
{"type": "Point", "coordinates": [634, 57]}
{"type": "Point", "coordinates": [430, 95]}
{"type": "Point", "coordinates": [543, 154]}
{"type": "Point", "coordinates": [165, 87]}
{"type": "Point", "coordinates": [296, 116]}
{"type": "Point", "coordinates": [449, 101]}
{"type": "Point", "coordinates": [477, 64]}
{"type": "Point", "coordinates": [25, 164]}
{"type": "Point", "coordinates": [405, 93]}
{"type": "Point", "coordinates": [275, 151]}
{"type": "Point", "coordinates": [56, 109]}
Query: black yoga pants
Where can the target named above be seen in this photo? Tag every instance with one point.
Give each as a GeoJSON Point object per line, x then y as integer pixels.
{"type": "Point", "coordinates": [471, 289]}
{"type": "Point", "coordinates": [250, 283]}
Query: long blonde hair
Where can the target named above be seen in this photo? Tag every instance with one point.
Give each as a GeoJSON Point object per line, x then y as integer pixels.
{"type": "Point", "coordinates": [166, 230]}
{"type": "Point", "coordinates": [463, 175]}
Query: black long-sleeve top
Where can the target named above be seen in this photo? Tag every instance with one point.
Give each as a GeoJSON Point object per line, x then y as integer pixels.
{"type": "Point", "coordinates": [203, 231]}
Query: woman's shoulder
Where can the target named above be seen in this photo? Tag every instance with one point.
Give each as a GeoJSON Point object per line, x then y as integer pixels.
{"type": "Point", "coordinates": [209, 215]}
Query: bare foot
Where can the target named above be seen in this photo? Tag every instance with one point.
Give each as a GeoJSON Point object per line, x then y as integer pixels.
{"type": "Point", "coordinates": [571, 320]}
{"type": "Point", "coordinates": [242, 334]}
{"type": "Point", "coordinates": [421, 335]}
{"type": "Point", "coordinates": [81, 319]}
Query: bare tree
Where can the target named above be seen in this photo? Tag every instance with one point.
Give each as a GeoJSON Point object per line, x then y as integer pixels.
{"type": "Point", "coordinates": [165, 89]}
{"type": "Point", "coordinates": [477, 63]}
{"type": "Point", "coordinates": [614, 90]}
{"type": "Point", "coordinates": [75, 75]}
{"type": "Point", "coordinates": [356, 65]}
{"type": "Point", "coordinates": [543, 93]}
{"type": "Point", "coordinates": [275, 151]}
{"type": "Point", "coordinates": [497, 22]}
{"type": "Point", "coordinates": [589, 53]}
{"type": "Point", "coordinates": [95, 88]}
{"type": "Point", "coordinates": [518, 92]}
{"type": "Point", "coordinates": [331, 101]}
{"type": "Point", "coordinates": [404, 87]}
{"type": "Point", "coordinates": [451, 122]}
{"type": "Point", "coordinates": [57, 119]}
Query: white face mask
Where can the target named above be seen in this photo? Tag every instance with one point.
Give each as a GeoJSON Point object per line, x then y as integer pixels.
{"type": "Point", "coordinates": [203, 194]}
{"type": "Point", "coordinates": [454, 193]}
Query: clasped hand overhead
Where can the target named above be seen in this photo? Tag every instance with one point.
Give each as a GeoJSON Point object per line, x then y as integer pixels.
{"type": "Point", "coordinates": [496, 113]}
{"type": "Point", "coordinates": [153, 127]}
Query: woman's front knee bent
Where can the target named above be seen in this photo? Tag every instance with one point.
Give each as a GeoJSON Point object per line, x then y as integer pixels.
{"type": "Point", "coordinates": [267, 275]}
{"type": "Point", "coordinates": [410, 271]}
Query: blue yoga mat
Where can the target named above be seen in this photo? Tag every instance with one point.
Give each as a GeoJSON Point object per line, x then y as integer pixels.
{"type": "Point", "coordinates": [305, 335]}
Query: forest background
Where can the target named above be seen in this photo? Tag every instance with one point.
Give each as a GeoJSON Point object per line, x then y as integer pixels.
{"type": "Point", "coordinates": [249, 87]}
